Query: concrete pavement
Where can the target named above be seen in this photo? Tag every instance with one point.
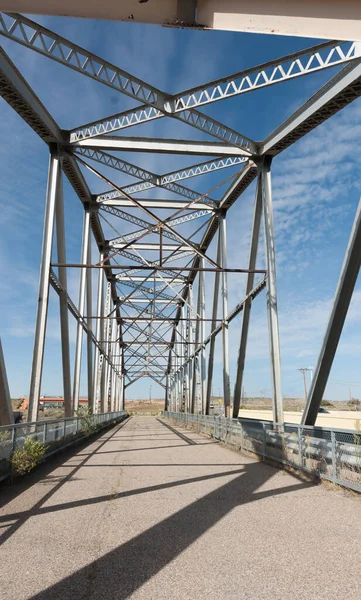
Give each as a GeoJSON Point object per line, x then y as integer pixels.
{"type": "Point", "coordinates": [147, 512]}
{"type": "Point", "coordinates": [340, 419]}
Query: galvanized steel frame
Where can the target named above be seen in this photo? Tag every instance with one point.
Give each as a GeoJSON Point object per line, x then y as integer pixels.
{"type": "Point", "coordinates": [157, 316]}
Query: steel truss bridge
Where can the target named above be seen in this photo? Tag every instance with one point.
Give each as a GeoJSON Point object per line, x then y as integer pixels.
{"type": "Point", "coordinates": [148, 321]}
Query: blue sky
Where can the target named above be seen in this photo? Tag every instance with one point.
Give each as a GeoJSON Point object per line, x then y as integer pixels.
{"type": "Point", "coordinates": [316, 188]}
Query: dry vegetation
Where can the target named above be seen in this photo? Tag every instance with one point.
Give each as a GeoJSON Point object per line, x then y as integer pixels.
{"type": "Point", "coordinates": [298, 404]}
{"type": "Point", "coordinates": [144, 406]}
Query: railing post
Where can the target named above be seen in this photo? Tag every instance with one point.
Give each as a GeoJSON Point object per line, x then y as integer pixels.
{"type": "Point", "coordinates": [264, 440]}
{"type": "Point", "coordinates": [334, 456]}
{"type": "Point", "coordinates": [13, 439]}
{"type": "Point", "coordinates": [300, 445]}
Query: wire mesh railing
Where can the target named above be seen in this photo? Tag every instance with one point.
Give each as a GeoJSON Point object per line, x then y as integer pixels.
{"type": "Point", "coordinates": [54, 433]}
{"type": "Point", "coordinates": [332, 454]}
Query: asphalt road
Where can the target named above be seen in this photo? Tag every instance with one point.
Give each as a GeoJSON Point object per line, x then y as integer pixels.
{"type": "Point", "coordinates": [147, 512]}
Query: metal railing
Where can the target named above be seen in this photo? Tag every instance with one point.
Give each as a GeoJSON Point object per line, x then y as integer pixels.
{"type": "Point", "coordinates": [332, 454]}
{"type": "Point", "coordinates": [54, 433]}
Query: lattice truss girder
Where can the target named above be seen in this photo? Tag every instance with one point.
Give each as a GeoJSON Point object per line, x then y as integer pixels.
{"type": "Point", "coordinates": [150, 318]}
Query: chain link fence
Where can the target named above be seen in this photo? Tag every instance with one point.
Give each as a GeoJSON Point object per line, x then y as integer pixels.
{"type": "Point", "coordinates": [332, 454]}
{"type": "Point", "coordinates": [55, 434]}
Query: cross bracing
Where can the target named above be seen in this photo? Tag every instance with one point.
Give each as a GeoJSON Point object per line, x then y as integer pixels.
{"type": "Point", "coordinates": [153, 319]}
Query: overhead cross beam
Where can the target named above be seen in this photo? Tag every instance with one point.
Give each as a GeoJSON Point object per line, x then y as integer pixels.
{"type": "Point", "coordinates": [160, 146]}
{"type": "Point", "coordinates": [194, 171]}
{"type": "Point", "coordinates": [55, 47]}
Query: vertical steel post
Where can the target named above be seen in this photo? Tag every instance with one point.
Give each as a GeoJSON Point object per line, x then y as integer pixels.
{"type": "Point", "coordinates": [185, 364]}
{"type": "Point", "coordinates": [119, 368]}
{"type": "Point", "coordinates": [98, 329]}
{"type": "Point", "coordinates": [176, 367]}
{"type": "Point", "coordinates": [166, 395]}
{"type": "Point", "coordinates": [109, 366]}
{"type": "Point", "coordinates": [179, 373]}
{"type": "Point", "coordinates": [123, 387]}
{"type": "Point", "coordinates": [212, 343]}
{"type": "Point", "coordinates": [104, 377]}
{"type": "Point", "coordinates": [247, 307]}
{"type": "Point", "coordinates": [89, 309]}
{"type": "Point", "coordinates": [172, 408]}
{"type": "Point", "coordinates": [202, 335]}
{"type": "Point", "coordinates": [195, 363]}
{"type": "Point", "coordinates": [114, 361]}
{"type": "Point", "coordinates": [79, 332]}
{"type": "Point", "coordinates": [64, 316]}
{"type": "Point", "coordinates": [43, 298]}
{"type": "Point", "coordinates": [190, 313]}
{"type": "Point", "coordinates": [271, 291]}
{"type": "Point", "coordinates": [224, 293]}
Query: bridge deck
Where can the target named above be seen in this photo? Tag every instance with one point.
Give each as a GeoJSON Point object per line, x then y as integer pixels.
{"type": "Point", "coordinates": [147, 513]}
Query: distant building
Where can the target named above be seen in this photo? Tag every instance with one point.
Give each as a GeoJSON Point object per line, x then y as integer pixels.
{"type": "Point", "coordinates": [50, 402]}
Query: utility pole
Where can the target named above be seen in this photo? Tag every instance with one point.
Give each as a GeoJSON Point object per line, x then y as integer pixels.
{"type": "Point", "coordinates": [304, 371]}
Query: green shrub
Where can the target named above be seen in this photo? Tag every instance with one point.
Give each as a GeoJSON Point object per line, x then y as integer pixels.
{"type": "Point", "coordinates": [5, 435]}
{"type": "Point", "coordinates": [87, 421]}
{"type": "Point", "coordinates": [326, 403]}
{"type": "Point", "coordinates": [54, 413]}
{"type": "Point", "coordinates": [26, 458]}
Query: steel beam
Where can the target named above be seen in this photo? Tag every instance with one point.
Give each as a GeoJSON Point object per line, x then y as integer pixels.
{"type": "Point", "coordinates": [345, 287]}
{"type": "Point", "coordinates": [98, 328]}
{"type": "Point", "coordinates": [224, 294]}
{"type": "Point", "coordinates": [36, 37]}
{"type": "Point", "coordinates": [272, 310]}
{"type": "Point", "coordinates": [104, 380]}
{"type": "Point", "coordinates": [213, 326]}
{"type": "Point", "coordinates": [63, 301]}
{"type": "Point", "coordinates": [81, 305]}
{"type": "Point", "coordinates": [162, 146]}
{"type": "Point", "coordinates": [191, 336]}
{"type": "Point", "coordinates": [89, 300]}
{"type": "Point", "coordinates": [203, 168]}
{"type": "Point", "coordinates": [286, 68]}
{"type": "Point", "coordinates": [202, 335]}
{"type": "Point", "coordinates": [163, 280]}
{"type": "Point", "coordinates": [340, 91]}
{"type": "Point", "coordinates": [42, 311]}
{"type": "Point", "coordinates": [256, 225]}
{"type": "Point", "coordinates": [152, 247]}
{"type": "Point", "coordinates": [159, 204]}
{"type": "Point", "coordinates": [151, 179]}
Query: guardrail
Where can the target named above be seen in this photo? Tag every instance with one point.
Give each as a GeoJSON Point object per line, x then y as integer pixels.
{"type": "Point", "coordinates": [55, 433]}
{"type": "Point", "coordinates": [332, 454]}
